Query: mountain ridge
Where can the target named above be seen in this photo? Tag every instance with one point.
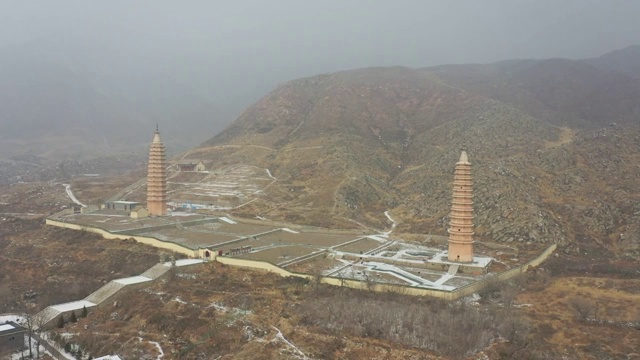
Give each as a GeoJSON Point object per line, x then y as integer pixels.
{"type": "Point", "coordinates": [348, 146]}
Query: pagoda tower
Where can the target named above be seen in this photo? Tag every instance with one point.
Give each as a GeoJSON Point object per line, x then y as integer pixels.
{"type": "Point", "coordinates": [461, 225]}
{"type": "Point", "coordinates": [157, 177]}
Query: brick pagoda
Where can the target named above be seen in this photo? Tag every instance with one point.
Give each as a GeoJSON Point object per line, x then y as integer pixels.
{"type": "Point", "coordinates": [157, 178]}
{"type": "Point", "coordinates": [461, 225]}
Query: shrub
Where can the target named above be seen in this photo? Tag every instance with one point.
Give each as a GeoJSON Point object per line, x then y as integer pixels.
{"type": "Point", "coordinates": [73, 318]}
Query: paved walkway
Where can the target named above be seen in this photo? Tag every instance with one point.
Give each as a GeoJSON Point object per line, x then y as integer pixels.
{"type": "Point", "coordinates": [50, 313]}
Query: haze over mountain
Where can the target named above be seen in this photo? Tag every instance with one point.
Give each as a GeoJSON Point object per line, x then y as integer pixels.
{"type": "Point", "coordinates": [103, 74]}
{"type": "Point", "coordinates": [554, 144]}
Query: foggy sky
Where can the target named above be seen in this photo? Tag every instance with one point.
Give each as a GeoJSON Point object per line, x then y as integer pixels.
{"type": "Point", "coordinates": [338, 34]}
{"type": "Point", "coordinates": [248, 47]}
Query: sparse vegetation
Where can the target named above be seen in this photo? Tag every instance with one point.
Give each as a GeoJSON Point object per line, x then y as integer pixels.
{"type": "Point", "coordinates": [451, 329]}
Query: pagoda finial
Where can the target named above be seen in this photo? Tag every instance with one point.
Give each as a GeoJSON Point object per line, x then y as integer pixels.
{"type": "Point", "coordinates": [464, 158]}
{"type": "Point", "coordinates": [157, 128]}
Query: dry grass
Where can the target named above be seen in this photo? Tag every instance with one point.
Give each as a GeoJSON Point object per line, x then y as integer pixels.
{"type": "Point", "coordinates": [565, 136]}
{"type": "Point", "coordinates": [219, 311]}
{"type": "Point", "coordinates": [605, 330]}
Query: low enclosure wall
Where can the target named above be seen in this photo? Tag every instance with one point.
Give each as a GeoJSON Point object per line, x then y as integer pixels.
{"type": "Point", "coordinates": [141, 239]}
{"type": "Point", "coordinates": [355, 284]}
{"type": "Point", "coordinates": [400, 289]}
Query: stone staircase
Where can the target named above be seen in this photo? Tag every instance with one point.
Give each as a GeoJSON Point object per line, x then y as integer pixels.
{"type": "Point", "coordinates": [50, 313]}
{"type": "Point", "coordinates": [156, 271]}
{"type": "Point", "coordinates": [453, 269]}
{"type": "Point", "coordinates": [105, 292]}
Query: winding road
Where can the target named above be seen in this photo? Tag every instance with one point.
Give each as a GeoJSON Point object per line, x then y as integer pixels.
{"type": "Point", "coordinates": [67, 188]}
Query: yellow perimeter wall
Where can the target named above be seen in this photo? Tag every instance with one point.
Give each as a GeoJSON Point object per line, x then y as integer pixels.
{"type": "Point", "coordinates": [142, 239]}
{"type": "Point", "coordinates": [406, 290]}
{"type": "Point", "coordinates": [354, 284]}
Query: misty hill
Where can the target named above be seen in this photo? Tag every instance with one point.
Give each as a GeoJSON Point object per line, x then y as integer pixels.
{"type": "Point", "coordinates": [625, 61]}
{"type": "Point", "coordinates": [549, 163]}
{"type": "Point", "coordinates": [44, 103]}
{"type": "Point", "coordinates": [73, 94]}
{"type": "Point", "coordinates": [60, 99]}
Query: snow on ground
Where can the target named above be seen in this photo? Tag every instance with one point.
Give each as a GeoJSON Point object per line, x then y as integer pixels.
{"type": "Point", "coordinates": [522, 305]}
{"type": "Point", "coordinates": [296, 351]}
{"type": "Point", "coordinates": [154, 343]}
{"type": "Point", "coordinates": [6, 327]}
{"type": "Point", "coordinates": [185, 262]}
{"type": "Point", "coordinates": [75, 305]}
{"type": "Point", "coordinates": [478, 261]}
{"type": "Point", "coordinates": [18, 319]}
{"type": "Point", "coordinates": [67, 188]}
{"type": "Point", "coordinates": [269, 173]}
{"type": "Point", "coordinates": [218, 307]}
{"type": "Point", "coordinates": [227, 220]}
{"type": "Point", "coordinates": [109, 357]}
{"type": "Point", "coordinates": [472, 299]}
{"type": "Point", "coordinates": [132, 280]}
{"type": "Point", "coordinates": [290, 231]}
{"type": "Point", "coordinates": [393, 223]}
{"type": "Point", "coordinates": [181, 213]}
{"type": "Point", "coordinates": [24, 354]}
{"type": "Point", "coordinates": [157, 345]}
{"type": "Point", "coordinates": [179, 301]}
{"type": "Point", "coordinates": [349, 271]}
{"type": "Point", "coordinates": [376, 238]}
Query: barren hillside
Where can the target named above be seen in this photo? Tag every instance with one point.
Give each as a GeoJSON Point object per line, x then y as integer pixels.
{"type": "Point", "coordinates": [554, 145]}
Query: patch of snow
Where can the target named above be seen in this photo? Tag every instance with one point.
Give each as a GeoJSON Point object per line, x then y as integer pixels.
{"type": "Point", "coordinates": [24, 354]}
{"type": "Point", "coordinates": [227, 220]}
{"type": "Point", "coordinates": [376, 238]}
{"type": "Point", "coordinates": [472, 299]}
{"type": "Point", "coordinates": [269, 173]}
{"type": "Point", "coordinates": [75, 305]}
{"type": "Point", "coordinates": [18, 319]}
{"type": "Point", "coordinates": [522, 305]}
{"type": "Point", "coordinates": [185, 262]}
{"type": "Point", "coordinates": [290, 231]}
{"type": "Point", "coordinates": [393, 223]}
{"type": "Point", "coordinates": [181, 213]}
{"type": "Point", "coordinates": [218, 307]}
{"type": "Point", "coordinates": [67, 188]}
{"type": "Point", "coordinates": [297, 352]}
{"type": "Point", "coordinates": [478, 261]}
{"type": "Point", "coordinates": [132, 280]}
{"type": "Point", "coordinates": [157, 345]}
{"type": "Point", "coordinates": [6, 327]}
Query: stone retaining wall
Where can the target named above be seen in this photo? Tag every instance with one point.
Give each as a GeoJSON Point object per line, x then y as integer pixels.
{"type": "Point", "coordinates": [356, 284]}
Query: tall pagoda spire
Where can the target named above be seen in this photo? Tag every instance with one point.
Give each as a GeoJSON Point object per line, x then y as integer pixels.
{"type": "Point", "coordinates": [461, 225]}
{"type": "Point", "coordinates": [157, 177]}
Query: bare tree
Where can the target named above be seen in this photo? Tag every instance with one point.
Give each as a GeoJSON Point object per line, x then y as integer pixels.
{"type": "Point", "coordinates": [368, 280]}
{"type": "Point", "coordinates": [583, 308]}
{"type": "Point", "coordinates": [27, 311]}
{"type": "Point", "coordinates": [38, 326]}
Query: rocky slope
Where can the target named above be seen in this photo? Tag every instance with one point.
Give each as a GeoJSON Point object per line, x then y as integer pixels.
{"type": "Point", "coordinates": [554, 144]}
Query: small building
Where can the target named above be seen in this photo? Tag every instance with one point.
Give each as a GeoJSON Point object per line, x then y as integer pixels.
{"type": "Point", "coordinates": [11, 337]}
{"type": "Point", "coordinates": [191, 165]}
{"type": "Point", "coordinates": [139, 212]}
{"type": "Point", "coordinates": [121, 205]}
